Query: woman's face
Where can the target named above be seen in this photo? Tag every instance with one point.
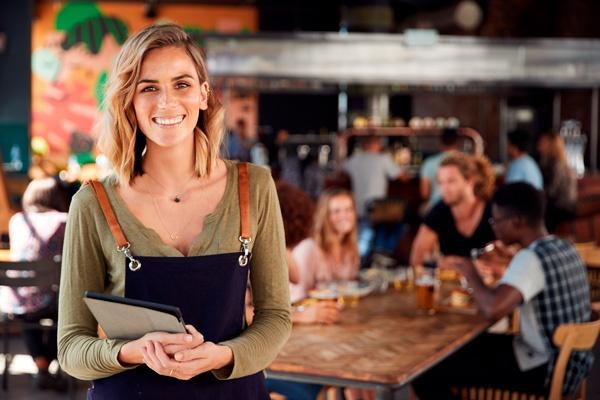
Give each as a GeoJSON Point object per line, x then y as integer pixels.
{"type": "Point", "coordinates": [168, 97]}
{"type": "Point", "coordinates": [342, 216]}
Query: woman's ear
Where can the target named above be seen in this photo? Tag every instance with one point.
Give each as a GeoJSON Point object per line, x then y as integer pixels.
{"type": "Point", "coordinates": [204, 93]}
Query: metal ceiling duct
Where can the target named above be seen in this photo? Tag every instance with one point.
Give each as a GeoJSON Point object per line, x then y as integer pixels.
{"type": "Point", "coordinates": [421, 58]}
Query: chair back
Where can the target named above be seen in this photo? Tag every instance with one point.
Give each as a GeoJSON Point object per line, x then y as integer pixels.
{"type": "Point", "coordinates": [569, 338]}
{"type": "Point", "coordinates": [41, 273]}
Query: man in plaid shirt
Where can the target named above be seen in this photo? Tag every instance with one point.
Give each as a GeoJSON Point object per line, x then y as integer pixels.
{"type": "Point", "coordinates": [546, 280]}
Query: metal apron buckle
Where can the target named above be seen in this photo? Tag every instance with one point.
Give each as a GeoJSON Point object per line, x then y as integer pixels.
{"type": "Point", "coordinates": [134, 264]}
{"type": "Point", "coordinates": [245, 250]}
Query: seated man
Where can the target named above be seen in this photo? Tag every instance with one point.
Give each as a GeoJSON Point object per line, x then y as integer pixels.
{"type": "Point", "coordinates": [546, 280]}
{"type": "Point", "coordinates": [459, 222]}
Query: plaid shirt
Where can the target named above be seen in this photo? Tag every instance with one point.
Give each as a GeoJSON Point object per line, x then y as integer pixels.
{"type": "Point", "coordinates": [565, 299]}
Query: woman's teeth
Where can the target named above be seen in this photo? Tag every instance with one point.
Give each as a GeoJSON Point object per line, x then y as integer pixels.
{"type": "Point", "coordinates": [168, 121]}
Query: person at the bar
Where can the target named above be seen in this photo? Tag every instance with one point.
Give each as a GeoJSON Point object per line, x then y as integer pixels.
{"type": "Point", "coordinates": [522, 167]}
{"type": "Point", "coordinates": [428, 186]}
{"type": "Point", "coordinates": [197, 227]}
{"type": "Point", "coordinates": [458, 223]}
{"type": "Point", "coordinates": [546, 281]}
{"type": "Point", "coordinates": [560, 180]}
{"type": "Point", "coordinates": [370, 171]}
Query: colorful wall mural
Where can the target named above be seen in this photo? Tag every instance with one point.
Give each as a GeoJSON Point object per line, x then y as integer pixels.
{"type": "Point", "coordinates": [73, 45]}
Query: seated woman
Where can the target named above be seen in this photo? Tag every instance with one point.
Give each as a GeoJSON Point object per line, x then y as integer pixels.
{"type": "Point", "coordinates": [37, 233]}
{"type": "Point", "coordinates": [331, 252]}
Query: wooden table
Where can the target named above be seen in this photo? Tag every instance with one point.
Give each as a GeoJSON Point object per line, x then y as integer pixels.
{"type": "Point", "coordinates": [383, 343]}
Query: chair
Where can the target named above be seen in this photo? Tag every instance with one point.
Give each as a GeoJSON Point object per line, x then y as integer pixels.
{"type": "Point", "coordinates": [593, 272]}
{"type": "Point", "coordinates": [568, 338]}
{"type": "Point", "coordinates": [42, 274]}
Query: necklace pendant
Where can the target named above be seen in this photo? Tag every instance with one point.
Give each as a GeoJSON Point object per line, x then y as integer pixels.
{"type": "Point", "coordinates": [177, 199]}
{"type": "Point", "coordinates": [172, 236]}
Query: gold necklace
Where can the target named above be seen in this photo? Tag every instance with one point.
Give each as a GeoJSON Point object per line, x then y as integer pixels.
{"type": "Point", "coordinates": [172, 236]}
{"type": "Point", "coordinates": [178, 196]}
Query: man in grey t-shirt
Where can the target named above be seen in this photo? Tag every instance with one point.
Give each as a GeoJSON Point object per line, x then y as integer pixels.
{"type": "Point", "coordinates": [369, 170]}
{"type": "Point", "coordinates": [546, 280]}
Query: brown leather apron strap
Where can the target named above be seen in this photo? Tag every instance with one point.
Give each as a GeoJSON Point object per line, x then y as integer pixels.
{"type": "Point", "coordinates": [109, 214]}
{"type": "Point", "coordinates": [244, 194]}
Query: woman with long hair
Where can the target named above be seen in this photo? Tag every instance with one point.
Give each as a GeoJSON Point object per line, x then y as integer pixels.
{"type": "Point", "coordinates": [560, 181]}
{"type": "Point", "coordinates": [331, 252]}
{"type": "Point", "coordinates": [188, 229]}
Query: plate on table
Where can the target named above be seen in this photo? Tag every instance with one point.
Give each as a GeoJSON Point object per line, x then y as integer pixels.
{"type": "Point", "coordinates": [459, 303]}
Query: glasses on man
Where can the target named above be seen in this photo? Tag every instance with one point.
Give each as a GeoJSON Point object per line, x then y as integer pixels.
{"type": "Point", "coordinates": [493, 221]}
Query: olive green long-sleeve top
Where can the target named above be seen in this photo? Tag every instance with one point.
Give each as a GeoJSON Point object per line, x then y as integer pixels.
{"type": "Point", "coordinates": [91, 262]}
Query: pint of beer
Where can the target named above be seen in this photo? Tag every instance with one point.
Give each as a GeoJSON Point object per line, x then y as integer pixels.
{"type": "Point", "coordinates": [425, 290]}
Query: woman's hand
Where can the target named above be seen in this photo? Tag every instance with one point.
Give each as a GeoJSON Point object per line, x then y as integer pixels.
{"type": "Point", "coordinates": [173, 348]}
{"type": "Point", "coordinates": [186, 363]}
{"type": "Point", "coordinates": [132, 352]}
{"type": "Point", "coordinates": [323, 312]}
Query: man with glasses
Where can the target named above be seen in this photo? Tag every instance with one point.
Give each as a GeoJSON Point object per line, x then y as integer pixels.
{"type": "Point", "coordinates": [546, 280]}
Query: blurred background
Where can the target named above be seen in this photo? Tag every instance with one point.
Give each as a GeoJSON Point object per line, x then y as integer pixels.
{"type": "Point", "coordinates": [303, 81]}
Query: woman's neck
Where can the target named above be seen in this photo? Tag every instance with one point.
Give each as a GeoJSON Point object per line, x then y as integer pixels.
{"type": "Point", "coordinates": [172, 167]}
{"type": "Point", "coordinates": [336, 247]}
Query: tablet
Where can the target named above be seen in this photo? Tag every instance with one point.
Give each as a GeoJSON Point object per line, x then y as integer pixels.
{"type": "Point", "coordinates": [123, 318]}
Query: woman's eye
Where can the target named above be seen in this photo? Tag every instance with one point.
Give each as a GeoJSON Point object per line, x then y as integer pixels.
{"type": "Point", "coordinates": [182, 85]}
{"type": "Point", "coordinates": [149, 89]}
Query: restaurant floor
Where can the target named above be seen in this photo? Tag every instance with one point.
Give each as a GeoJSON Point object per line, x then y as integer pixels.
{"type": "Point", "coordinates": [21, 388]}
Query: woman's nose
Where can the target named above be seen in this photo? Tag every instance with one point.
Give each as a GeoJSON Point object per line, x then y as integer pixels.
{"type": "Point", "coordinates": [165, 98]}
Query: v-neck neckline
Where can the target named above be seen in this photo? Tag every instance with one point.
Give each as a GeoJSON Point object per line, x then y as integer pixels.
{"type": "Point", "coordinates": [481, 220]}
{"type": "Point", "coordinates": [151, 235]}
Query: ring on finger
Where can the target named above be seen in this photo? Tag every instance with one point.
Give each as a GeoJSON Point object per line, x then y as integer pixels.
{"type": "Point", "coordinates": [171, 372]}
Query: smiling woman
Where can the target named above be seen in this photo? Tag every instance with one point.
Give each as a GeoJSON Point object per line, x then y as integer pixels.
{"type": "Point", "coordinates": [183, 225]}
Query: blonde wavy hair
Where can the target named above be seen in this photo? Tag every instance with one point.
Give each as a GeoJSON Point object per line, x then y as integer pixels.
{"type": "Point", "coordinates": [323, 232]}
{"type": "Point", "coordinates": [477, 168]}
{"type": "Point", "coordinates": [120, 138]}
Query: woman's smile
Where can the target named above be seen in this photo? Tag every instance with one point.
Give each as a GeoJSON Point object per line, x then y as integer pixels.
{"type": "Point", "coordinates": [168, 122]}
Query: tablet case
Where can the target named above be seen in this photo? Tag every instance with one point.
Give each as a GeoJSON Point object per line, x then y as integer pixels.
{"type": "Point", "coordinates": [123, 318]}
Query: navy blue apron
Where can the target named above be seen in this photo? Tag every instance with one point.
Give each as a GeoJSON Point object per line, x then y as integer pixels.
{"type": "Point", "coordinates": [210, 292]}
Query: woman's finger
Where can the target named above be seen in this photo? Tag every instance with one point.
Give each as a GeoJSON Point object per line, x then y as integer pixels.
{"type": "Point", "coordinates": [163, 358]}
{"type": "Point", "coordinates": [149, 358]}
{"type": "Point", "coordinates": [195, 367]}
{"type": "Point", "coordinates": [191, 354]}
{"type": "Point", "coordinates": [198, 338]}
{"type": "Point", "coordinates": [171, 338]}
{"type": "Point", "coordinates": [172, 349]}
{"type": "Point", "coordinates": [154, 358]}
